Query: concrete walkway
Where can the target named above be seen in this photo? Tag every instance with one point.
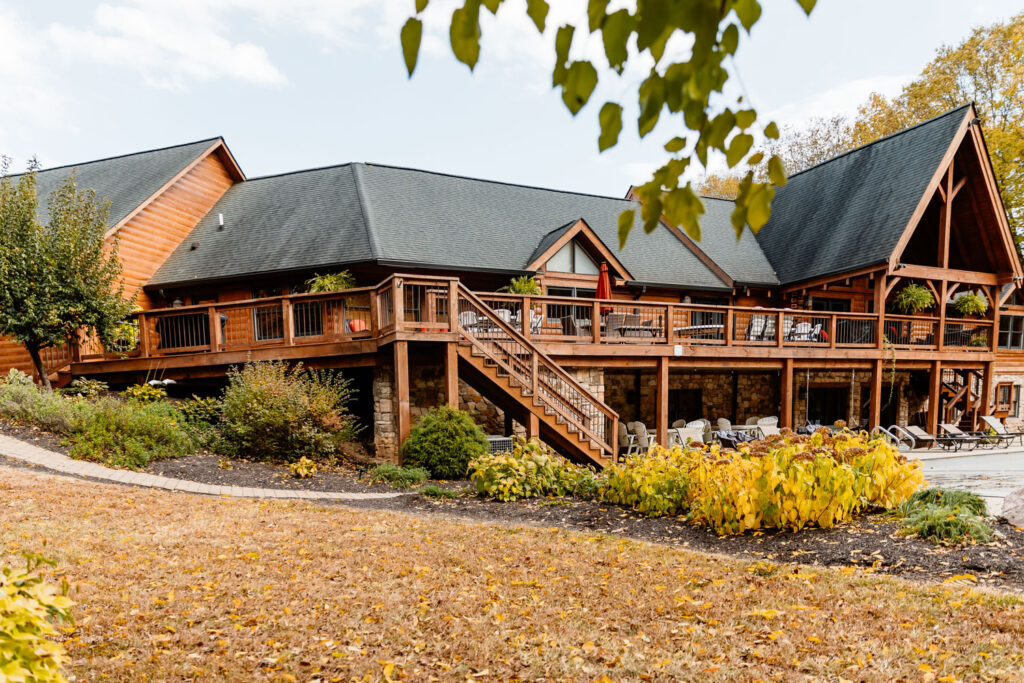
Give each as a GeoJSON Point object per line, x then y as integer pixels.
{"type": "Point", "coordinates": [992, 474]}
{"type": "Point", "coordinates": [26, 452]}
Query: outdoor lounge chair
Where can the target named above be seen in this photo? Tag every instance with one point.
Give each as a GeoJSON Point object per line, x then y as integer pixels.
{"type": "Point", "coordinates": [685, 435]}
{"type": "Point", "coordinates": [974, 438]}
{"type": "Point", "coordinates": [724, 425]}
{"type": "Point", "coordinates": [755, 328]}
{"type": "Point", "coordinates": [769, 426]}
{"type": "Point", "coordinates": [1002, 432]}
{"type": "Point", "coordinates": [643, 438]}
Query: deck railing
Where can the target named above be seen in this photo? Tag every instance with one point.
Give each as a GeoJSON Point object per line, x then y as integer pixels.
{"type": "Point", "coordinates": [422, 304]}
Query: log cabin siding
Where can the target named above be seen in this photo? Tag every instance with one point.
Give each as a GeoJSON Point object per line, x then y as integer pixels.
{"type": "Point", "coordinates": [149, 237]}
{"type": "Point", "coordinates": [14, 355]}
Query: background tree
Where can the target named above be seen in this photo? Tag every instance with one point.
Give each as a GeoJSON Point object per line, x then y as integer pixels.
{"type": "Point", "coordinates": [718, 186]}
{"type": "Point", "coordinates": [60, 276]}
{"type": "Point", "coordinates": [685, 89]}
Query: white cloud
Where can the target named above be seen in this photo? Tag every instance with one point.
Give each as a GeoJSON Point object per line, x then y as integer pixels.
{"type": "Point", "coordinates": [169, 44]}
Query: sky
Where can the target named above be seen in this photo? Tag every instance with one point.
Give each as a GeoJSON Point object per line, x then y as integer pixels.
{"type": "Point", "coordinates": [294, 84]}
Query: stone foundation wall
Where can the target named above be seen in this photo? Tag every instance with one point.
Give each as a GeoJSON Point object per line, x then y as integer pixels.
{"type": "Point", "coordinates": [1013, 422]}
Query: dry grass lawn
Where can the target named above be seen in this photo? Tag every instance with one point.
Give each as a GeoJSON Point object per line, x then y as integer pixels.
{"type": "Point", "coordinates": [172, 587]}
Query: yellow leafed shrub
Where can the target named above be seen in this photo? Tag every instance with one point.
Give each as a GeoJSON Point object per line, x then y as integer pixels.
{"type": "Point", "coordinates": [785, 482]}
{"type": "Point", "coordinates": [27, 606]}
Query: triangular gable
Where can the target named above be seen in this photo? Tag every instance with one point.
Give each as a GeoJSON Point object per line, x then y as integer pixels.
{"type": "Point", "coordinates": [556, 239]}
{"type": "Point", "coordinates": [959, 215]}
{"type": "Point", "coordinates": [218, 147]}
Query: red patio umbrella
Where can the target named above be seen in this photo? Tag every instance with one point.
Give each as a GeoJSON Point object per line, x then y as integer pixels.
{"type": "Point", "coordinates": [604, 286]}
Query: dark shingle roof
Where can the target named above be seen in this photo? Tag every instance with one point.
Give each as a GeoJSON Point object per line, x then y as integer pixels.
{"type": "Point", "coordinates": [127, 181]}
{"type": "Point", "coordinates": [547, 240]}
{"type": "Point", "coordinates": [742, 260]}
{"type": "Point", "coordinates": [363, 212]}
{"type": "Point", "coordinates": [850, 212]}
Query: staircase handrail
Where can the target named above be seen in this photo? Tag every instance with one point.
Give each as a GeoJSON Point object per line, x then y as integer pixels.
{"type": "Point", "coordinates": [545, 360]}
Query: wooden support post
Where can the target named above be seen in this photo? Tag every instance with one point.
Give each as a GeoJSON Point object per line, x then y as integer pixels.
{"type": "Point", "coordinates": [994, 341]}
{"type": "Point", "coordinates": [214, 320]}
{"type": "Point", "coordinates": [934, 388]}
{"type": "Point", "coordinates": [875, 416]}
{"type": "Point", "coordinates": [940, 334]}
{"type": "Point", "coordinates": [403, 418]}
{"type": "Point", "coordinates": [662, 402]}
{"type": "Point", "coordinates": [786, 394]}
{"type": "Point", "coordinates": [879, 306]}
{"type": "Point", "coordinates": [451, 375]}
{"type": "Point", "coordinates": [526, 316]}
{"type": "Point", "coordinates": [374, 316]}
{"type": "Point", "coordinates": [780, 325]}
{"type": "Point", "coordinates": [288, 322]}
{"type": "Point", "coordinates": [143, 323]}
{"type": "Point", "coordinates": [986, 394]}
{"type": "Point", "coordinates": [532, 427]}
{"type": "Point", "coordinates": [398, 303]}
{"type": "Point", "coordinates": [669, 323]}
{"type": "Point", "coordinates": [453, 305]}
{"type": "Point", "coordinates": [728, 327]}
{"type": "Point", "coordinates": [595, 322]}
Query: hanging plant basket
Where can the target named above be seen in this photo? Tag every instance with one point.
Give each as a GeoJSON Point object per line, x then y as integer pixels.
{"type": "Point", "coordinates": [914, 298]}
{"type": "Point", "coordinates": [970, 304]}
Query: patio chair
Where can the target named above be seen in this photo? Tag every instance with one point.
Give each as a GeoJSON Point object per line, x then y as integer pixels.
{"type": "Point", "coordinates": [679, 423]}
{"type": "Point", "coordinates": [627, 441]}
{"type": "Point", "coordinates": [1001, 431]}
{"type": "Point", "coordinates": [613, 323]}
{"type": "Point", "coordinates": [536, 320]}
{"type": "Point", "coordinates": [965, 438]}
{"type": "Point", "coordinates": [801, 332]}
{"type": "Point", "coordinates": [755, 328]}
{"type": "Point", "coordinates": [683, 436]}
{"type": "Point", "coordinates": [751, 421]}
{"type": "Point", "coordinates": [643, 438]}
{"type": "Point", "coordinates": [768, 427]}
{"type": "Point", "coordinates": [921, 436]}
{"type": "Point", "coordinates": [773, 421]}
{"type": "Point", "coordinates": [724, 425]}
{"type": "Point", "coordinates": [570, 327]}
{"type": "Point", "coordinates": [769, 328]}
{"type": "Point", "coordinates": [702, 424]}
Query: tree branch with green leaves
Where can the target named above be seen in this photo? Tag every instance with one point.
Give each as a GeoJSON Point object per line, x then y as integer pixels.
{"type": "Point", "coordinates": [684, 89]}
{"type": "Point", "coordinates": [60, 276]}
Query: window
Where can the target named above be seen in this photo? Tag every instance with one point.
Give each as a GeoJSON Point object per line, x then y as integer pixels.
{"type": "Point", "coordinates": [1004, 396]}
{"type": "Point", "coordinates": [572, 259]}
{"type": "Point", "coordinates": [821, 303]}
{"type": "Point", "coordinates": [1011, 332]}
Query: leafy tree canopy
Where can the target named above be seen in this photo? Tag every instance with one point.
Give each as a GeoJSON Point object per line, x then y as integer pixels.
{"type": "Point", "coordinates": [985, 69]}
{"type": "Point", "coordinates": [60, 276]}
{"type": "Point", "coordinates": [685, 89]}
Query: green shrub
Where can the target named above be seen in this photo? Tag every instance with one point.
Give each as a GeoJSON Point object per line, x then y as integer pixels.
{"type": "Point", "coordinates": [129, 434]}
{"type": "Point", "coordinates": [144, 393]}
{"type": "Point", "coordinates": [654, 485]}
{"type": "Point", "coordinates": [438, 492]}
{"type": "Point", "coordinates": [16, 377]}
{"type": "Point", "coordinates": [946, 526]}
{"type": "Point", "coordinates": [46, 409]}
{"type": "Point", "coordinates": [198, 410]}
{"type": "Point", "coordinates": [398, 477]}
{"type": "Point", "coordinates": [28, 606]}
{"type": "Point", "coordinates": [443, 442]}
{"type": "Point", "coordinates": [529, 471]}
{"type": "Point", "coordinates": [275, 412]}
{"type": "Point", "coordinates": [86, 388]}
{"type": "Point", "coordinates": [952, 498]}
{"type": "Point", "coordinates": [946, 517]}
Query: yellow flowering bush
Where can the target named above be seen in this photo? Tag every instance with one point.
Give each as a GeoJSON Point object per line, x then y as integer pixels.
{"type": "Point", "coordinates": [27, 606]}
{"type": "Point", "coordinates": [656, 484]}
{"type": "Point", "coordinates": [529, 471]}
{"type": "Point", "coordinates": [784, 482]}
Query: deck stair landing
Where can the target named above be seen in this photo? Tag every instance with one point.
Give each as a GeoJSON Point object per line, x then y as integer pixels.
{"type": "Point", "coordinates": [568, 415]}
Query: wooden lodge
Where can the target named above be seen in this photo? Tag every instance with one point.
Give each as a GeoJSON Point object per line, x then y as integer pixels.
{"type": "Point", "coordinates": [798, 321]}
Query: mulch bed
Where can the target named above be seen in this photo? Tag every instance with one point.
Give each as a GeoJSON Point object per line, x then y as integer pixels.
{"type": "Point", "coordinates": [871, 541]}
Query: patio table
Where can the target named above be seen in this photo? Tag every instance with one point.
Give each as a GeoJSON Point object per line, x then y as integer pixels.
{"type": "Point", "coordinates": [638, 330]}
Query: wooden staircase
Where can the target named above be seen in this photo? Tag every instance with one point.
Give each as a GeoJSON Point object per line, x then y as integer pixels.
{"type": "Point", "coordinates": [961, 394]}
{"type": "Point", "coordinates": [505, 365]}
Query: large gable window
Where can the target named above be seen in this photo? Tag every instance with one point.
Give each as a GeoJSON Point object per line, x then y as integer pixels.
{"type": "Point", "coordinates": [572, 259]}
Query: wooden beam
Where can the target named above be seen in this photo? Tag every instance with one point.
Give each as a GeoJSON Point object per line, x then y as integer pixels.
{"type": "Point", "coordinates": [880, 294]}
{"type": "Point", "coordinates": [940, 332]}
{"type": "Point", "coordinates": [935, 384]}
{"type": "Point", "coordinates": [895, 280]}
{"type": "Point", "coordinates": [532, 427]}
{"type": "Point", "coordinates": [403, 416]}
{"type": "Point", "coordinates": [952, 275]}
{"type": "Point", "coordinates": [946, 218]}
{"type": "Point", "coordinates": [995, 200]}
{"type": "Point", "coordinates": [817, 282]}
{"type": "Point", "coordinates": [875, 416]}
{"type": "Point", "coordinates": [662, 401]}
{"type": "Point", "coordinates": [451, 374]}
{"type": "Point", "coordinates": [986, 392]}
{"type": "Point", "coordinates": [1005, 296]}
{"type": "Point", "coordinates": [786, 394]}
{"type": "Point", "coordinates": [959, 186]}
